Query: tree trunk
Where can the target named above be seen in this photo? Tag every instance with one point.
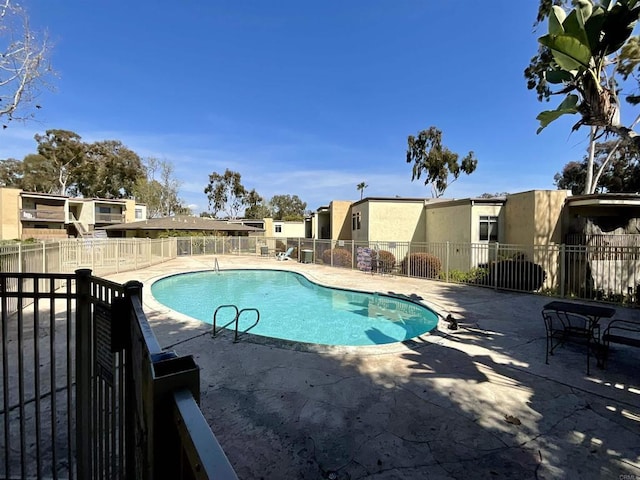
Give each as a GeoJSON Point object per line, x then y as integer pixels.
{"type": "Point", "coordinates": [592, 153]}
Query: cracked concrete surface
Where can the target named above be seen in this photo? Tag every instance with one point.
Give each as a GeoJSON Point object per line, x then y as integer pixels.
{"type": "Point", "coordinates": [478, 402]}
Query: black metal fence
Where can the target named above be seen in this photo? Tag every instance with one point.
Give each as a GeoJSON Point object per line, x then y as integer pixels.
{"type": "Point", "coordinates": [87, 391]}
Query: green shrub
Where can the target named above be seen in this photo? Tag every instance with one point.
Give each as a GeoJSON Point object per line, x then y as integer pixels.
{"type": "Point", "coordinates": [423, 265]}
{"type": "Point", "coordinates": [341, 257]}
{"type": "Point", "coordinates": [458, 276]}
{"type": "Point", "coordinates": [518, 274]}
{"type": "Point", "coordinates": [383, 259]}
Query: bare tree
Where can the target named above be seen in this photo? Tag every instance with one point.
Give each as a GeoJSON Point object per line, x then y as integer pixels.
{"type": "Point", "coordinates": [24, 63]}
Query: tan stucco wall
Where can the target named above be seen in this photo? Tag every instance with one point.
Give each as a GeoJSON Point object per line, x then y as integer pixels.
{"type": "Point", "coordinates": [340, 211]}
{"type": "Point", "coordinates": [268, 227]}
{"type": "Point", "coordinates": [362, 234]}
{"type": "Point", "coordinates": [458, 223]}
{"type": "Point", "coordinates": [10, 213]}
{"type": "Point", "coordinates": [87, 214]}
{"type": "Point", "coordinates": [290, 229]}
{"type": "Point", "coordinates": [404, 222]}
{"type": "Point", "coordinates": [389, 220]}
{"type": "Point", "coordinates": [130, 211]}
{"type": "Point", "coordinates": [448, 223]}
{"type": "Point", "coordinates": [534, 217]}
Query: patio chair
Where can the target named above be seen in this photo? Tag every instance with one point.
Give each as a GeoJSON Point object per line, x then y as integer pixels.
{"type": "Point", "coordinates": [563, 326]}
{"type": "Point", "coordinates": [623, 332]}
{"type": "Point", "coordinates": [285, 255]}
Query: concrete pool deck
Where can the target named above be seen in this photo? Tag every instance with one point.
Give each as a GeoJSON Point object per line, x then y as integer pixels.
{"type": "Point", "coordinates": [477, 402]}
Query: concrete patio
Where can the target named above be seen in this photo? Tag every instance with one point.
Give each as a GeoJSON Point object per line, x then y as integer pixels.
{"type": "Point", "coordinates": [477, 402]}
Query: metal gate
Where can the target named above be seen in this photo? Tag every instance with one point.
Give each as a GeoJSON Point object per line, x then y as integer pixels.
{"type": "Point", "coordinates": [87, 390]}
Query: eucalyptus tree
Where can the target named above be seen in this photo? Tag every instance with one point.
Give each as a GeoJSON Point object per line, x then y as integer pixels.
{"type": "Point", "coordinates": [226, 193]}
{"type": "Point", "coordinates": [65, 152]}
{"type": "Point", "coordinates": [109, 170]}
{"type": "Point", "coordinates": [11, 173]}
{"type": "Point", "coordinates": [24, 62]}
{"type": "Point", "coordinates": [439, 164]}
{"type": "Point", "coordinates": [621, 176]}
{"type": "Point", "coordinates": [39, 175]}
{"type": "Point", "coordinates": [256, 206]}
{"type": "Point", "coordinates": [287, 207]}
{"type": "Point", "coordinates": [588, 53]}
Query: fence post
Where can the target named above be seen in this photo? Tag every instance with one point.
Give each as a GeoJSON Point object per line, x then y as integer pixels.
{"type": "Point", "coordinates": [332, 245]}
{"type": "Point", "coordinates": [561, 267]}
{"type": "Point", "coordinates": [117, 259]}
{"type": "Point", "coordinates": [93, 255]}
{"type": "Point", "coordinates": [134, 245]}
{"type": "Point", "coordinates": [495, 266]}
{"type": "Point", "coordinates": [446, 265]}
{"type": "Point", "coordinates": [84, 434]}
{"type": "Point", "coordinates": [170, 373]}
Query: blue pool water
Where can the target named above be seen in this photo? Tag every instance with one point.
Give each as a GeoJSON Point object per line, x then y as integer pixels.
{"type": "Point", "coordinates": [294, 308]}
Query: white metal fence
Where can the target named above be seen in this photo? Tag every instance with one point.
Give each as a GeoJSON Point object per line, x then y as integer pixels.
{"type": "Point", "coordinates": [102, 256]}
{"type": "Point", "coordinates": [599, 270]}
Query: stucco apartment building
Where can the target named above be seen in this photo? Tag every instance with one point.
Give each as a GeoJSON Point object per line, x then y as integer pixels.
{"type": "Point", "coordinates": [473, 231]}
{"type": "Point", "coordinates": [42, 216]}
{"type": "Point", "coordinates": [528, 218]}
{"type": "Point", "coordinates": [532, 217]}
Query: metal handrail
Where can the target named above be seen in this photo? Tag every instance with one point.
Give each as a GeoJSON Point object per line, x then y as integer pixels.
{"type": "Point", "coordinates": [255, 323]}
{"type": "Point", "coordinates": [235, 319]}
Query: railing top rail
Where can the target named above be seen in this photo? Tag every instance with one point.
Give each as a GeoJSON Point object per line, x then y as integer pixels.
{"type": "Point", "coordinates": [199, 443]}
{"type": "Point", "coordinates": [38, 276]}
{"type": "Point", "coordinates": [145, 329]}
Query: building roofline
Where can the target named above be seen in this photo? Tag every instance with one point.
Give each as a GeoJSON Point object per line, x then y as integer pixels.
{"type": "Point", "coordinates": [42, 195]}
{"type": "Point", "coordinates": [604, 199]}
{"type": "Point", "coordinates": [468, 201]}
{"type": "Point", "coordinates": [184, 223]}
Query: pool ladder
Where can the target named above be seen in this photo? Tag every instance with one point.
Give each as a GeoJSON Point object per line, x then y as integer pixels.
{"type": "Point", "coordinates": [236, 319]}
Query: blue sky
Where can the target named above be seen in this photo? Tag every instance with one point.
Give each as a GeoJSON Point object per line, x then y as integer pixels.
{"type": "Point", "coordinates": [305, 98]}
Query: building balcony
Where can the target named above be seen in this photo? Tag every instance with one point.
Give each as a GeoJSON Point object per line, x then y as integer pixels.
{"type": "Point", "coordinates": [40, 215]}
{"type": "Point", "coordinates": [44, 233]}
{"type": "Point", "coordinates": [109, 218]}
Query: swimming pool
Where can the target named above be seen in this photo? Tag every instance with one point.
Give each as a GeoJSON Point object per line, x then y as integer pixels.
{"type": "Point", "coordinates": [294, 308]}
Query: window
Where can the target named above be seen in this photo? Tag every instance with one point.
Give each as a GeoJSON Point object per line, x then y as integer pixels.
{"type": "Point", "coordinates": [278, 228]}
{"type": "Point", "coordinates": [356, 222]}
{"type": "Point", "coordinates": [104, 209]}
{"type": "Point", "coordinates": [139, 214]}
{"type": "Point", "coordinates": [488, 228]}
